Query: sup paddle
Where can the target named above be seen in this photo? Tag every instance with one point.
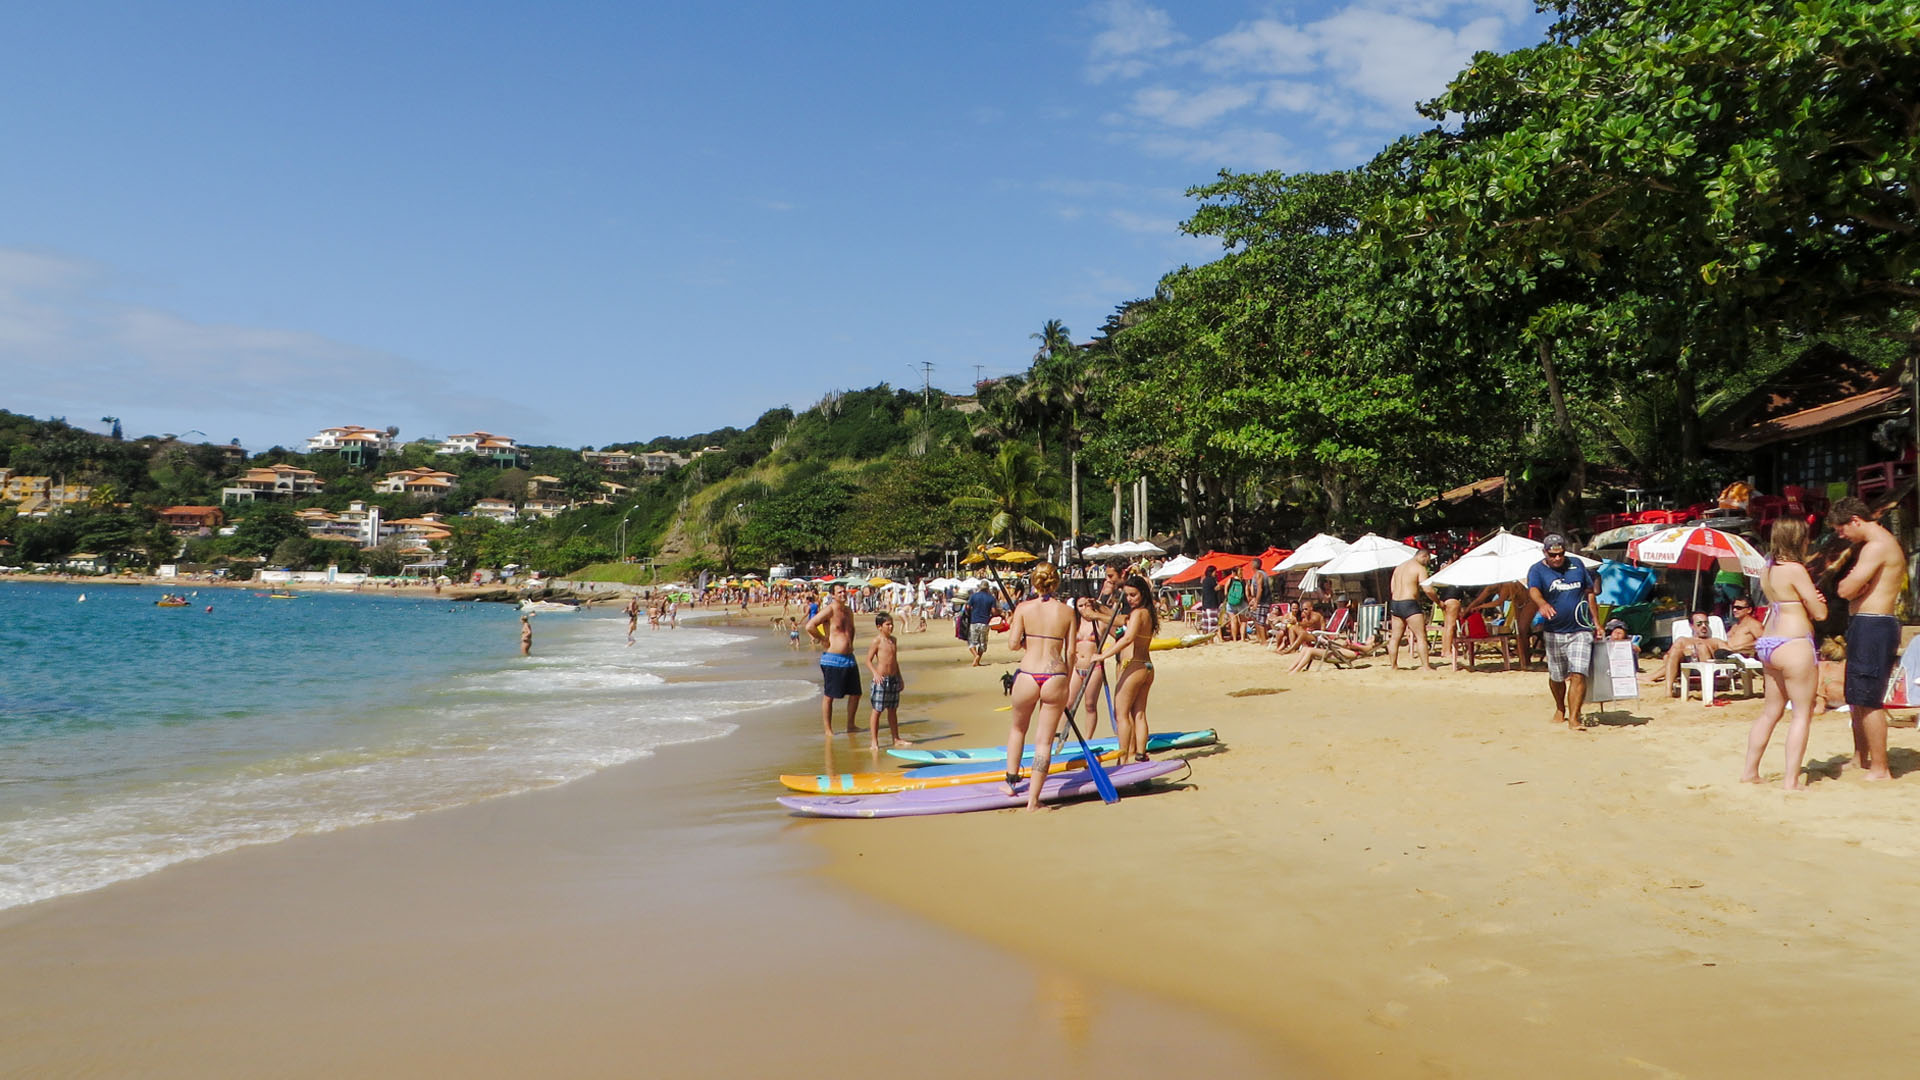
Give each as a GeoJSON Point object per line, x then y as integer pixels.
{"type": "Point", "coordinates": [1101, 781]}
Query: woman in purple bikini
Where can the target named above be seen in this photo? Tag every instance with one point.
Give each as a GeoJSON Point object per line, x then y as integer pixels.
{"type": "Point", "coordinates": [1786, 649]}
{"type": "Point", "coordinates": [1041, 628]}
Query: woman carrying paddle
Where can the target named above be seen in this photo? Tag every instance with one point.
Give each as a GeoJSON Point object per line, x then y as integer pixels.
{"type": "Point", "coordinates": [1041, 629]}
{"type": "Point", "coordinates": [1087, 665]}
{"type": "Point", "coordinates": [1136, 670]}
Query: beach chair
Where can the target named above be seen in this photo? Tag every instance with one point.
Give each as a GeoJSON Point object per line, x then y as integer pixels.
{"type": "Point", "coordinates": [1703, 677]}
{"type": "Point", "coordinates": [1336, 628]}
{"type": "Point", "coordinates": [1475, 632]}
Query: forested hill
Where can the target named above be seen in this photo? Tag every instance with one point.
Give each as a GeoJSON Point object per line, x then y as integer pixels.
{"type": "Point", "coordinates": [861, 471]}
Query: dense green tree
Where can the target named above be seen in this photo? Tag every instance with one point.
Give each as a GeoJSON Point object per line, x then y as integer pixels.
{"type": "Point", "coordinates": [1013, 498]}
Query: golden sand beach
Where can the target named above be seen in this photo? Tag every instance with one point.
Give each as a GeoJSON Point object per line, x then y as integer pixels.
{"type": "Point", "coordinates": [1407, 875]}
{"type": "Point", "coordinates": [1375, 874]}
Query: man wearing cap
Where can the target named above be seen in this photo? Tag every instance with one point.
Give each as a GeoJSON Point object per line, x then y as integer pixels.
{"type": "Point", "coordinates": [1617, 631]}
{"type": "Point", "coordinates": [1562, 589]}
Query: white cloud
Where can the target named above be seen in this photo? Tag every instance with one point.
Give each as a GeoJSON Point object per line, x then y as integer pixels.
{"type": "Point", "coordinates": [1197, 109]}
{"type": "Point", "coordinates": [1129, 32]}
{"type": "Point", "coordinates": [1265, 46]}
{"type": "Point", "coordinates": [1395, 60]}
{"type": "Point", "coordinates": [68, 345]}
{"type": "Point", "coordinates": [1247, 149]}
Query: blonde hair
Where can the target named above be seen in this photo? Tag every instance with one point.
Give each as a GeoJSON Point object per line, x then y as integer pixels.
{"type": "Point", "coordinates": [1833, 649]}
{"type": "Point", "coordinates": [1046, 578]}
{"type": "Point", "coordinates": [1789, 540]}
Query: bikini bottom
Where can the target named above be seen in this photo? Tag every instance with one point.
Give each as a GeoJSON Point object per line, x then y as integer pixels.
{"type": "Point", "coordinates": [1763, 647]}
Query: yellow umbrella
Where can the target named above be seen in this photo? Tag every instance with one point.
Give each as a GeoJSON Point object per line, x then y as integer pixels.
{"type": "Point", "coordinates": [995, 551]}
{"type": "Point", "coordinates": [879, 581]}
{"type": "Point", "coordinates": [974, 559]}
{"type": "Point", "coordinates": [1017, 557]}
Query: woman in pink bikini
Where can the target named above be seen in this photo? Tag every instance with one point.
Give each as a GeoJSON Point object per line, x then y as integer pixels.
{"type": "Point", "coordinates": [1135, 680]}
{"type": "Point", "coordinates": [1041, 629]}
{"type": "Point", "coordinates": [1786, 650]}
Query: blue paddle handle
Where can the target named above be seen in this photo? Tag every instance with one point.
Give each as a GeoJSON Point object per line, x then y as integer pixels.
{"type": "Point", "coordinates": [1113, 715]}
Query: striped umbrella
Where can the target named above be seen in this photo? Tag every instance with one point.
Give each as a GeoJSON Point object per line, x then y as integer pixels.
{"type": "Point", "coordinates": [1697, 548]}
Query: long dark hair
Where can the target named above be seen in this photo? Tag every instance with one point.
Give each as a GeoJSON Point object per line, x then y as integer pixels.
{"type": "Point", "coordinates": [1146, 599]}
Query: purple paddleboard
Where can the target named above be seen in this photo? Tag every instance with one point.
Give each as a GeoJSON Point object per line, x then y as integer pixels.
{"type": "Point", "coordinates": [968, 797]}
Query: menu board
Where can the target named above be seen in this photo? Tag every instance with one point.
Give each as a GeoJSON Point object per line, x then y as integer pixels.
{"type": "Point", "coordinates": [1613, 675]}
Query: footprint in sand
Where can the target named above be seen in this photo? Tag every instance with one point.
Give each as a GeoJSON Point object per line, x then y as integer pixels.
{"type": "Point", "coordinates": [1488, 965]}
{"type": "Point", "coordinates": [1390, 1016]}
{"type": "Point", "coordinates": [1430, 977]}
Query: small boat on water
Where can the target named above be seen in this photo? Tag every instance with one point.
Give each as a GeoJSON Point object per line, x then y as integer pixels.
{"type": "Point", "coordinates": [283, 595]}
{"type": "Point", "coordinates": [171, 600]}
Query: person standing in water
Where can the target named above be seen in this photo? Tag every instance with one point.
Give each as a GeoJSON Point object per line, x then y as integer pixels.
{"type": "Point", "coordinates": [883, 666]}
{"type": "Point", "coordinates": [633, 617]}
{"type": "Point", "coordinates": [526, 635]}
{"type": "Point", "coordinates": [1041, 629]}
{"type": "Point", "coordinates": [839, 675]}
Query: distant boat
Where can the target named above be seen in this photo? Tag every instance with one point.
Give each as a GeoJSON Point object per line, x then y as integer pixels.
{"type": "Point", "coordinates": [82, 600]}
{"type": "Point", "coordinates": [171, 601]}
{"type": "Point", "coordinates": [537, 606]}
{"type": "Point", "coordinates": [283, 595]}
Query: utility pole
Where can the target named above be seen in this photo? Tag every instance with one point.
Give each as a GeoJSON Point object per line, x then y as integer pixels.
{"type": "Point", "coordinates": [978, 376]}
{"type": "Point", "coordinates": [926, 384]}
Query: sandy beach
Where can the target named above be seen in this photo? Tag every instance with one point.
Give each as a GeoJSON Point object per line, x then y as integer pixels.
{"type": "Point", "coordinates": [657, 918]}
{"type": "Point", "coordinates": [1375, 874]}
{"type": "Point", "coordinates": [1406, 875]}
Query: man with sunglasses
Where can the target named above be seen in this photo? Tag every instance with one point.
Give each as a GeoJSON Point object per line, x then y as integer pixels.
{"type": "Point", "coordinates": [1699, 648]}
{"type": "Point", "coordinates": [1563, 589]}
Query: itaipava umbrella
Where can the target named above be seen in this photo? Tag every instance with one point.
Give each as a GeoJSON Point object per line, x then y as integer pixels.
{"type": "Point", "coordinates": [1697, 548]}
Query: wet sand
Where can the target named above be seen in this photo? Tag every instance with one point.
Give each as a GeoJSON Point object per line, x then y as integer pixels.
{"type": "Point", "coordinates": [1407, 875]}
{"type": "Point", "coordinates": [659, 918]}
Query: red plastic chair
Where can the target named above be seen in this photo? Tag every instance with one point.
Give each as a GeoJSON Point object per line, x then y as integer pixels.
{"type": "Point", "coordinates": [1766, 509]}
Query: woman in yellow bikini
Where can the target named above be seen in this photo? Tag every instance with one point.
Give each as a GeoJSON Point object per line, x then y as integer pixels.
{"type": "Point", "coordinates": [1041, 628]}
{"type": "Point", "coordinates": [1136, 670]}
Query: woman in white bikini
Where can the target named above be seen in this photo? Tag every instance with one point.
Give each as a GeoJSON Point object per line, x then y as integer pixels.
{"type": "Point", "coordinates": [1087, 665]}
{"type": "Point", "coordinates": [1040, 629]}
{"type": "Point", "coordinates": [1786, 650]}
{"type": "Point", "coordinates": [1135, 680]}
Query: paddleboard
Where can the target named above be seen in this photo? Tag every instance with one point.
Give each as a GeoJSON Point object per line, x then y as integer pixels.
{"type": "Point", "coordinates": [1159, 740]}
{"type": "Point", "coordinates": [880, 783]}
{"type": "Point", "coordinates": [1161, 644]}
{"type": "Point", "coordinates": [960, 800]}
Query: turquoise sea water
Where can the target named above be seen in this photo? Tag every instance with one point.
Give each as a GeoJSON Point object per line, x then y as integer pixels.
{"type": "Point", "coordinates": [133, 736]}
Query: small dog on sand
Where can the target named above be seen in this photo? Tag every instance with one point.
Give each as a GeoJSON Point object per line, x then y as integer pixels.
{"type": "Point", "coordinates": [1006, 684]}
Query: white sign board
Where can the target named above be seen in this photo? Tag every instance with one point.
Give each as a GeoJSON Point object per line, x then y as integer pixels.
{"type": "Point", "coordinates": [1613, 675]}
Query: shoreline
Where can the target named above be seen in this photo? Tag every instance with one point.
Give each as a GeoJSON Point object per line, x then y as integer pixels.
{"type": "Point", "coordinates": [643, 913]}
{"type": "Point", "coordinates": [1405, 875]}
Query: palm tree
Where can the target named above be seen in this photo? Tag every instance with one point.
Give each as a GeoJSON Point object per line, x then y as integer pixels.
{"type": "Point", "coordinates": [1013, 496]}
{"type": "Point", "coordinates": [1062, 384]}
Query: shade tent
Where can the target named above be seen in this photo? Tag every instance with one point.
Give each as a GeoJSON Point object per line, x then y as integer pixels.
{"type": "Point", "coordinates": [1174, 566]}
{"type": "Point", "coordinates": [1497, 560]}
{"type": "Point", "coordinates": [1368, 554]}
{"type": "Point", "coordinates": [1211, 561]}
{"type": "Point", "coordinates": [1620, 536]}
{"type": "Point", "coordinates": [1312, 553]}
{"type": "Point", "coordinates": [1271, 558]}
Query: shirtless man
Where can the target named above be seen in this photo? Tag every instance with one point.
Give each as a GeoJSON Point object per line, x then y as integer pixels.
{"type": "Point", "coordinates": [839, 675]}
{"type": "Point", "coordinates": [1300, 632]}
{"type": "Point", "coordinates": [633, 617]}
{"type": "Point", "coordinates": [1873, 634]}
{"type": "Point", "coordinates": [1408, 615]}
{"type": "Point", "coordinates": [1699, 648]}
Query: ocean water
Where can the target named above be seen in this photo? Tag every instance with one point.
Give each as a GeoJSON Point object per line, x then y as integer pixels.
{"type": "Point", "coordinates": [133, 737]}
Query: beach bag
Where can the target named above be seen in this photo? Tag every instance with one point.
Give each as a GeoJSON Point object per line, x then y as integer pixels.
{"type": "Point", "coordinates": [1236, 592]}
{"type": "Point", "coordinates": [960, 624]}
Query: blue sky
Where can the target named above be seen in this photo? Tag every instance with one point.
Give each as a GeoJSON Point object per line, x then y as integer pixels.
{"type": "Point", "coordinates": [579, 223]}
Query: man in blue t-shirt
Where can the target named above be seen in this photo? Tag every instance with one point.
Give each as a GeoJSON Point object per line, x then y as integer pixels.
{"type": "Point", "coordinates": [1563, 590]}
{"type": "Point", "coordinates": [979, 614]}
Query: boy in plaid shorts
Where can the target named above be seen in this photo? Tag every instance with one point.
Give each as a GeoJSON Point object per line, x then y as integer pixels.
{"type": "Point", "coordinates": [883, 665]}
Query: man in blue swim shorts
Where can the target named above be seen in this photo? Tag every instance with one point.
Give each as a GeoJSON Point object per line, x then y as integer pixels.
{"type": "Point", "coordinates": [839, 676]}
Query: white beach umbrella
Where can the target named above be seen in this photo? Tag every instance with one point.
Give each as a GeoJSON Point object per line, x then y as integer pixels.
{"type": "Point", "coordinates": [1368, 554]}
{"type": "Point", "coordinates": [1097, 551]}
{"type": "Point", "coordinates": [1133, 549]}
{"type": "Point", "coordinates": [1500, 558]}
{"type": "Point", "coordinates": [1312, 553]}
{"type": "Point", "coordinates": [1172, 567]}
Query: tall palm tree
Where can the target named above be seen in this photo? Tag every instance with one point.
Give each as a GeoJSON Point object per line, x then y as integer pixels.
{"type": "Point", "coordinates": [1013, 497]}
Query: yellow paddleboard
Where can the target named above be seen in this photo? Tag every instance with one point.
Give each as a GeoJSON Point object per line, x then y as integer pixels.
{"type": "Point", "coordinates": [1160, 644]}
{"type": "Point", "coordinates": [880, 783]}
